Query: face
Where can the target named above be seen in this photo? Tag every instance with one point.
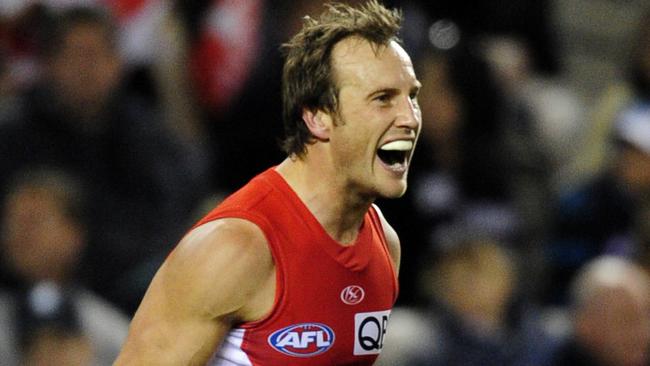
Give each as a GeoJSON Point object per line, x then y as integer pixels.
{"type": "Point", "coordinates": [442, 110]}
{"type": "Point", "coordinates": [374, 133]}
{"type": "Point", "coordinates": [478, 286]}
{"type": "Point", "coordinates": [39, 240]}
{"type": "Point", "coordinates": [87, 69]}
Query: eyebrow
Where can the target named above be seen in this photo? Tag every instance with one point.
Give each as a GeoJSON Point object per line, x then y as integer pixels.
{"type": "Point", "coordinates": [393, 91]}
{"type": "Point", "coordinates": [389, 91]}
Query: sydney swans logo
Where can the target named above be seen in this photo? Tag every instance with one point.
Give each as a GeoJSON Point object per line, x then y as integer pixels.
{"type": "Point", "coordinates": [352, 295]}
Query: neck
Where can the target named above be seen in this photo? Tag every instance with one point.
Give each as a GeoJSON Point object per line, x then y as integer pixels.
{"type": "Point", "coordinates": [336, 205]}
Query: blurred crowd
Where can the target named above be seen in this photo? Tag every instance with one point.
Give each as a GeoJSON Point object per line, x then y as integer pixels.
{"type": "Point", "coordinates": [525, 230]}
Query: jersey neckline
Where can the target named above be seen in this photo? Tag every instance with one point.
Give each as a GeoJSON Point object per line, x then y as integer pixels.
{"type": "Point", "coordinates": [352, 256]}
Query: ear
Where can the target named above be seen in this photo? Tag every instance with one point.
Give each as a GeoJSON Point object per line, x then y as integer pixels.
{"type": "Point", "coordinates": [318, 123]}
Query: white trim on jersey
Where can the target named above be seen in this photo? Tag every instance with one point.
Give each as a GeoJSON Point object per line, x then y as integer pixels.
{"type": "Point", "coordinates": [230, 353]}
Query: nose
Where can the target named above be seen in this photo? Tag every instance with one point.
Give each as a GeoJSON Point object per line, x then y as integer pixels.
{"type": "Point", "coordinates": [408, 115]}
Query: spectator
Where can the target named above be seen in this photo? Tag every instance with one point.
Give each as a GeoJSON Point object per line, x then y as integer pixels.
{"type": "Point", "coordinates": [48, 315]}
{"type": "Point", "coordinates": [610, 316]}
{"type": "Point", "coordinates": [601, 217]}
{"type": "Point", "coordinates": [632, 88]}
{"type": "Point", "coordinates": [247, 74]}
{"type": "Point", "coordinates": [474, 316]}
{"type": "Point", "coordinates": [143, 180]}
{"type": "Point", "coordinates": [554, 110]}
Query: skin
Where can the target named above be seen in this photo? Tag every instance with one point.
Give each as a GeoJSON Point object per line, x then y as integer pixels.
{"type": "Point", "coordinates": [53, 348]}
{"type": "Point", "coordinates": [39, 240]}
{"type": "Point", "coordinates": [85, 71]}
{"type": "Point", "coordinates": [222, 273]}
{"type": "Point", "coordinates": [615, 326]}
{"type": "Point", "coordinates": [633, 168]}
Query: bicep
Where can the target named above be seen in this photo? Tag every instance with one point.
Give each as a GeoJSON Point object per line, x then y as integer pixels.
{"type": "Point", "coordinates": [165, 330]}
{"type": "Point", "coordinates": [195, 297]}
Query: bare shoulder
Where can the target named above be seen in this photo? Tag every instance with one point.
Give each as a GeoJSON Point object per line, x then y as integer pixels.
{"type": "Point", "coordinates": [220, 273]}
{"type": "Point", "coordinates": [227, 255]}
{"type": "Point", "coordinates": [218, 239]}
{"type": "Point", "coordinates": [392, 239]}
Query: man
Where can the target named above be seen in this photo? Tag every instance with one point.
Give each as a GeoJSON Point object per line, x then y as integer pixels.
{"type": "Point", "coordinates": [610, 315]}
{"type": "Point", "coordinates": [82, 118]}
{"type": "Point", "coordinates": [49, 317]}
{"type": "Point", "coordinates": [604, 215]}
{"type": "Point", "coordinates": [298, 267]}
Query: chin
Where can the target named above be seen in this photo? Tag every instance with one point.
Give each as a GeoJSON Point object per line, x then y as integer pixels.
{"type": "Point", "coordinates": [396, 191]}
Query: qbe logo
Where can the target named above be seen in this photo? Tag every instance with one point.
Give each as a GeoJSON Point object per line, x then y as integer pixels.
{"type": "Point", "coordinates": [369, 332]}
{"type": "Point", "coordinates": [302, 340]}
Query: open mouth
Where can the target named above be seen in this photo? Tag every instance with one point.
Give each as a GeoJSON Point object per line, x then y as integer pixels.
{"type": "Point", "coordinates": [395, 154]}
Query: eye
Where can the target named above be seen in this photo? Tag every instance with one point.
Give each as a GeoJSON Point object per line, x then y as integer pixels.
{"type": "Point", "coordinates": [383, 98]}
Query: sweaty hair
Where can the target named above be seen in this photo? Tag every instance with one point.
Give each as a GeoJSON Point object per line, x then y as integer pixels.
{"type": "Point", "coordinates": [308, 76]}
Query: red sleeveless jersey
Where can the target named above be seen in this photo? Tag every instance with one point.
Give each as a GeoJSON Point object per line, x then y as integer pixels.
{"type": "Point", "coordinates": [332, 302]}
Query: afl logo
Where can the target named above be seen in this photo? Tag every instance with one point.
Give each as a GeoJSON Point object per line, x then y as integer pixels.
{"type": "Point", "coordinates": [352, 295]}
{"type": "Point", "coordinates": [302, 340]}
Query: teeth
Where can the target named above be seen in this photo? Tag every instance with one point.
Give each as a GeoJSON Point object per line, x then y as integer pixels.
{"type": "Point", "coordinates": [399, 145]}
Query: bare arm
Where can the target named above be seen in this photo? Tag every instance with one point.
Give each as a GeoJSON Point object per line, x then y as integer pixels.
{"type": "Point", "coordinates": [220, 273]}
{"type": "Point", "coordinates": [392, 240]}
